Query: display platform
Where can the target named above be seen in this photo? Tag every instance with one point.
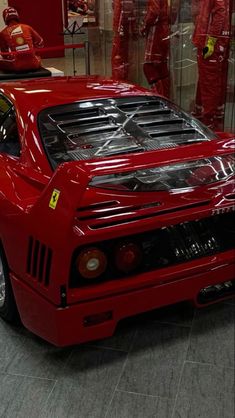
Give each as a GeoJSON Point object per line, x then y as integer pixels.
{"type": "Point", "coordinates": [42, 72]}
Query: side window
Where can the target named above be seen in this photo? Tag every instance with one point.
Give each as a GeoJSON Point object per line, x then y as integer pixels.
{"type": "Point", "coordinates": [5, 106]}
{"type": "Point", "coordinates": [9, 137]}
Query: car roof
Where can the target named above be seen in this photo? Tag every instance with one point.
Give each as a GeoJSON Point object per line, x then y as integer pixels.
{"type": "Point", "coordinates": [47, 92]}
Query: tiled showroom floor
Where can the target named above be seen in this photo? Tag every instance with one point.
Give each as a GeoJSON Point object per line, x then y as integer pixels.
{"type": "Point", "coordinates": [173, 362]}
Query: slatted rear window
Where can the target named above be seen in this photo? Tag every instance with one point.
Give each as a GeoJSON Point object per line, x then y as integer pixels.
{"type": "Point", "coordinates": [101, 128]}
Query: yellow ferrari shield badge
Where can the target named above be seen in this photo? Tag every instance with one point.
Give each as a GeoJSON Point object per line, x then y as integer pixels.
{"type": "Point", "coordinates": [54, 198]}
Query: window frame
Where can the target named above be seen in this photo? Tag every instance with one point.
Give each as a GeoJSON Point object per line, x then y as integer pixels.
{"type": "Point", "coordinates": [11, 112]}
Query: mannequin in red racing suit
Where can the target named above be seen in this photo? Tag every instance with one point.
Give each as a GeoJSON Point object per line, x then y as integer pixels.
{"type": "Point", "coordinates": [211, 37]}
{"type": "Point", "coordinates": [17, 43]}
{"type": "Point", "coordinates": [156, 28]}
{"type": "Point", "coordinates": [124, 25]}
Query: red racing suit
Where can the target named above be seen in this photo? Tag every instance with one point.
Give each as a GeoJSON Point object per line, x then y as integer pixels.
{"type": "Point", "coordinates": [124, 26]}
{"type": "Point", "coordinates": [212, 19]}
{"type": "Point", "coordinates": [19, 40]}
{"type": "Point", "coordinates": [156, 28]}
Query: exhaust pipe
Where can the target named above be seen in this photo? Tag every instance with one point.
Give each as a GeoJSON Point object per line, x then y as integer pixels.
{"type": "Point", "coordinates": [216, 292]}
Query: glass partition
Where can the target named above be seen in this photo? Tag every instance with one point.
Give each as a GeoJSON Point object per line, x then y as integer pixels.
{"type": "Point", "coordinates": [182, 49]}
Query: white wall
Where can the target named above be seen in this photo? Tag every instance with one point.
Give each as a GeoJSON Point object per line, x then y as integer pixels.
{"type": "Point", "coordinates": [3, 5]}
{"type": "Point", "coordinates": [105, 14]}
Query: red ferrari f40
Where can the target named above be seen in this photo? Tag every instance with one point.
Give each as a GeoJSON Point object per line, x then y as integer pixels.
{"type": "Point", "coordinates": [113, 202]}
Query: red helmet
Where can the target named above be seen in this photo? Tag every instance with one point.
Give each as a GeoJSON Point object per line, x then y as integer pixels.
{"type": "Point", "coordinates": [10, 14]}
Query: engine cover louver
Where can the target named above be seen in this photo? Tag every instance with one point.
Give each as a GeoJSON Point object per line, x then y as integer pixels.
{"type": "Point", "coordinates": [39, 261]}
{"type": "Point", "coordinates": [105, 127]}
{"type": "Point", "coordinates": [110, 213]}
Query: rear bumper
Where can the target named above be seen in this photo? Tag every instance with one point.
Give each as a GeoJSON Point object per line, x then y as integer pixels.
{"type": "Point", "coordinates": [67, 326]}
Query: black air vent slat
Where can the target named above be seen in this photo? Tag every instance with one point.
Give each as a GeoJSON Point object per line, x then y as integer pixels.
{"type": "Point", "coordinates": [96, 131]}
{"type": "Point", "coordinates": [104, 212]}
{"type": "Point", "coordinates": [105, 223]}
{"type": "Point", "coordinates": [154, 112]}
{"type": "Point", "coordinates": [167, 122]}
{"type": "Point", "coordinates": [39, 261]}
{"type": "Point", "coordinates": [48, 267]}
{"type": "Point", "coordinates": [230, 196]}
{"type": "Point", "coordinates": [35, 258]}
{"type": "Point", "coordinates": [82, 113]}
{"type": "Point", "coordinates": [127, 107]}
{"type": "Point", "coordinates": [29, 256]}
{"type": "Point", "coordinates": [99, 120]}
{"type": "Point", "coordinates": [92, 135]}
{"type": "Point", "coordinates": [99, 205]}
{"type": "Point", "coordinates": [172, 132]}
{"type": "Point", "coordinates": [157, 118]}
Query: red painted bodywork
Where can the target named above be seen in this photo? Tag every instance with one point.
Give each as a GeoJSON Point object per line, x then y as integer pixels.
{"type": "Point", "coordinates": [26, 186]}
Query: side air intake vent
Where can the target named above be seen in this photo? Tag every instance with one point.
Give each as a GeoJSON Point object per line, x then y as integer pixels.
{"type": "Point", "coordinates": [39, 261]}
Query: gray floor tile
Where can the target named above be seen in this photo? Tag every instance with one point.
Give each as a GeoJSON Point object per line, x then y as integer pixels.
{"type": "Point", "coordinates": [206, 391]}
{"type": "Point", "coordinates": [212, 339]}
{"type": "Point", "coordinates": [180, 314]}
{"type": "Point", "coordinates": [22, 397]}
{"type": "Point", "coordinates": [121, 340]}
{"type": "Point", "coordinates": [153, 366]}
{"type": "Point", "coordinates": [10, 345]}
{"type": "Point", "coordinates": [15, 330]}
{"type": "Point", "coordinates": [69, 400]}
{"type": "Point", "coordinates": [34, 357]}
{"type": "Point", "coordinates": [90, 378]}
{"type": "Point", "coordinates": [131, 405]}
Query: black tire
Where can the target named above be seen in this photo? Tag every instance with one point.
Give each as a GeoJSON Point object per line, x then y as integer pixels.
{"type": "Point", "coordinates": [8, 308]}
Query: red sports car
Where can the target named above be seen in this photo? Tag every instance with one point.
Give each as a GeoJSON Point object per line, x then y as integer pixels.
{"type": "Point", "coordinates": [113, 201]}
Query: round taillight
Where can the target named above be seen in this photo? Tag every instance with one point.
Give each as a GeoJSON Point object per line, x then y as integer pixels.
{"type": "Point", "coordinates": [91, 263]}
{"type": "Point", "coordinates": [128, 257]}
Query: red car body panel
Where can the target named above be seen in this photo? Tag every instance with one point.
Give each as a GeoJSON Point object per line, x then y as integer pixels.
{"type": "Point", "coordinates": [27, 184]}
{"type": "Point", "coordinates": [63, 326]}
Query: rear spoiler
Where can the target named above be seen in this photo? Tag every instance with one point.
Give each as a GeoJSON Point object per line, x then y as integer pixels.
{"type": "Point", "coordinates": [71, 179]}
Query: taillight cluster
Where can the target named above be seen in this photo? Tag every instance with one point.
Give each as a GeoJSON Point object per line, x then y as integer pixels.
{"type": "Point", "coordinates": [151, 250]}
{"type": "Point", "coordinates": [128, 257]}
{"type": "Point", "coordinates": [92, 262]}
